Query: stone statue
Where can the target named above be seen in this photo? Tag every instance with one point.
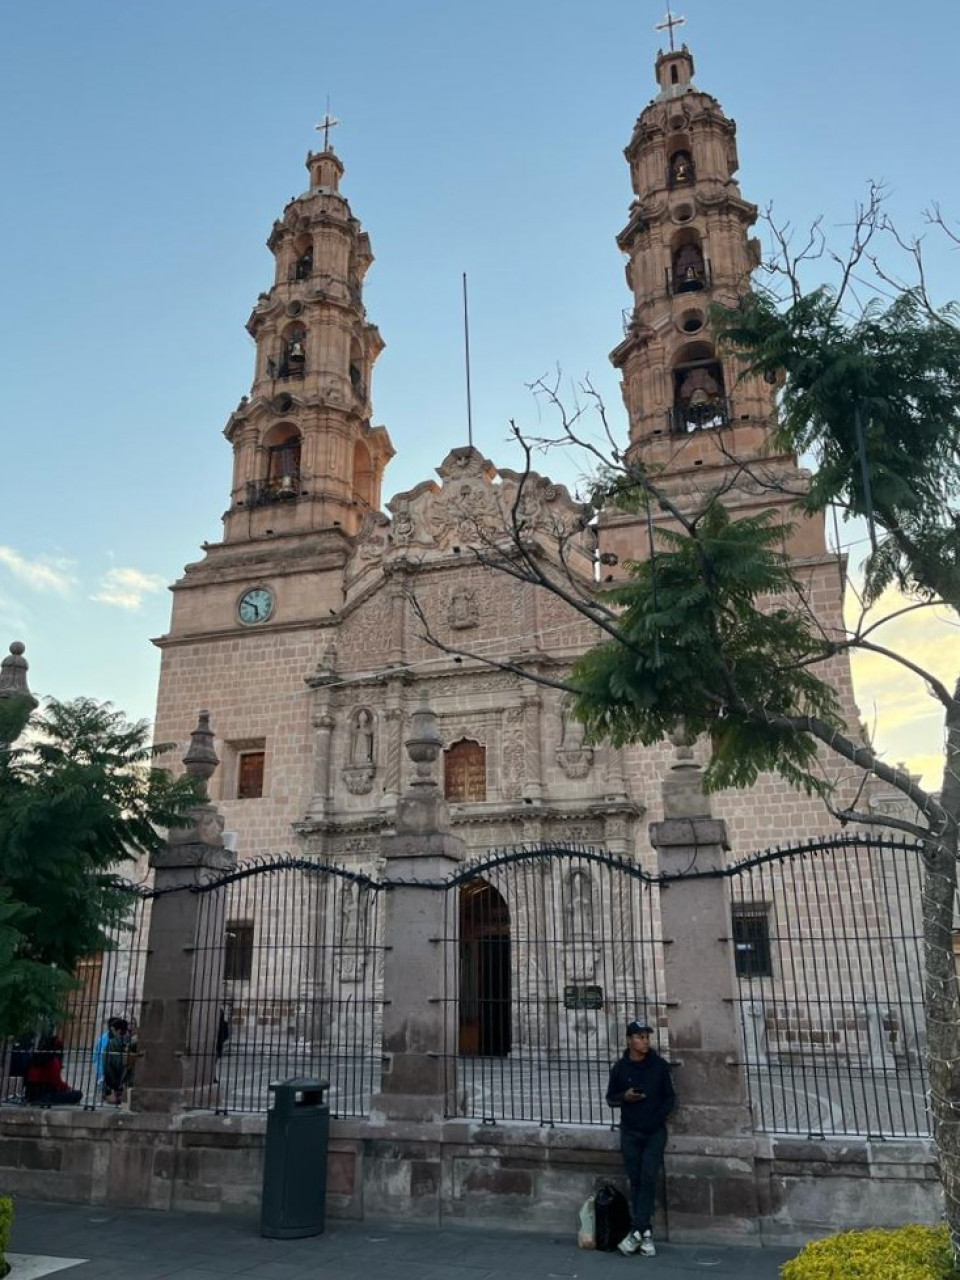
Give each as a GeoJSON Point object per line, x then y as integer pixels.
{"type": "Point", "coordinates": [362, 748]}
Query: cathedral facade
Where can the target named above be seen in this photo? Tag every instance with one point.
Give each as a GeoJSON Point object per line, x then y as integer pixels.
{"type": "Point", "coordinates": [303, 629]}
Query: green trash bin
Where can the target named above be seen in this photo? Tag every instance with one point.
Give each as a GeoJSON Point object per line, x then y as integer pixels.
{"type": "Point", "coordinates": [295, 1160]}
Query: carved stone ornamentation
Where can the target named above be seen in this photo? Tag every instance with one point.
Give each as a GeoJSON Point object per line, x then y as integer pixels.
{"type": "Point", "coordinates": [512, 753]}
{"type": "Point", "coordinates": [574, 757]}
{"type": "Point", "coordinates": [464, 609]}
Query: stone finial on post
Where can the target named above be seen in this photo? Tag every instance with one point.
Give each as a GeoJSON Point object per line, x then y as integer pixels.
{"type": "Point", "coordinates": [422, 808]}
{"type": "Point", "coordinates": [419, 1021]}
{"type": "Point", "coordinates": [184, 965]}
{"type": "Point", "coordinates": [701, 985]}
{"type": "Point", "coordinates": [16, 701]}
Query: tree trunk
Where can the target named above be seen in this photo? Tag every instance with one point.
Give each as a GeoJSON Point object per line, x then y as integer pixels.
{"type": "Point", "coordinates": [940, 996]}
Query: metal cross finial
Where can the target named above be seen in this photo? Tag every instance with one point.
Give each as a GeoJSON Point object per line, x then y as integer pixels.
{"type": "Point", "coordinates": [668, 24]}
{"type": "Point", "coordinates": [326, 124]}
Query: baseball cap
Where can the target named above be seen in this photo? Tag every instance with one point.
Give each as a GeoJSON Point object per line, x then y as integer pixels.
{"type": "Point", "coordinates": [639, 1029]}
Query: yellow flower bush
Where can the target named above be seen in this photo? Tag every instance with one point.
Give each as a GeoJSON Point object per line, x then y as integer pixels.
{"type": "Point", "coordinates": [909, 1253]}
{"type": "Point", "coordinates": [6, 1224]}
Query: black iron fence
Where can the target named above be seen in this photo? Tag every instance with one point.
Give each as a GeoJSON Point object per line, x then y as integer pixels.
{"type": "Point", "coordinates": [827, 942]}
{"type": "Point", "coordinates": [67, 1059]}
{"type": "Point", "coordinates": [290, 957]}
{"type": "Point", "coordinates": [549, 953]}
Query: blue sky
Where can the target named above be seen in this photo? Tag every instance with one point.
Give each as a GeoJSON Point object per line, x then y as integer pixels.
{"type": "Point", "coordinates": [148, 148]}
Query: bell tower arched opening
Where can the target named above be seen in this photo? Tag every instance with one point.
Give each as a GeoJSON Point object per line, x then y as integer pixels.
{"type": "Point", "coordinates": [303, 258]}
{"type": "Point", "coordinates": [293, 351]}
{"type": "Point", "coordinates": [689, 272]}
{"type": "Point", "coordinates": [485, 987]}
{"type": "Point", "coordinates": [282, 448]}
{"type": "Point", "coordinates": [699, 393]}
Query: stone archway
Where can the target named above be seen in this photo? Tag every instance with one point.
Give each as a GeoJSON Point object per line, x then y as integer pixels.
{"type": "Point", "coordinates": [485, 987]}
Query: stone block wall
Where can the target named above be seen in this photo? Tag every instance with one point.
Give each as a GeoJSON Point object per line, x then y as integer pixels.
{"type": "Point", "coordinates": [509, 1177]}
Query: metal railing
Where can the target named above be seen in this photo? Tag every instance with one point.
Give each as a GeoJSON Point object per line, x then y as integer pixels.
{"type": "Point", "coordinates": [549, 953]}
{"type": "Point", "coordinates": [683, 419]}
{"type": "Point", "coordinates": [301, 994]}
{"type": "Point", "coordinates": [827, 944]}
{"type": "Point", "coordinates": [109, 985]}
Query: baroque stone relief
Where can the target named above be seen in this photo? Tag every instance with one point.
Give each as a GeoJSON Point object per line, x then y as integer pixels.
{"type": "Point", "coordinates": [474, 506]}
{"type": "Point", "coordinates": [574, 757]}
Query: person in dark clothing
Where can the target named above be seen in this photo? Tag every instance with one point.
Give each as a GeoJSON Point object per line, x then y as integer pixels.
{"type": "Point", "coordinates": [44, 1085]}
{"type": "Point", "coordinates": [641, 1087]}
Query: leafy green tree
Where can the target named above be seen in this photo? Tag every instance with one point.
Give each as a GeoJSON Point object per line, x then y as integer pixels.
{"type": "Point", "coordinates": [713, 634]}
{"type": "Point", "coordinates": [79, 798]}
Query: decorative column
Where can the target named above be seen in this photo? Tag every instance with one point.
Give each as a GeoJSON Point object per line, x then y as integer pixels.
{"type": "Point", "coordinates": [184, 965]}
{"type": "Point", "coordinates": [323, 722]}
{"type": "Point", "coordinates": [533, 786]}
{"type": "Point", "coordinates": [706, 1191]}
{"type": "Point", "coordinates": [419, 1015]}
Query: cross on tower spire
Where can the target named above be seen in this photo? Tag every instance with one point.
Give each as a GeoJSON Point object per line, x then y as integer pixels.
{"type": "Point", "coordinates": [670, 21]}
{"type": "Point", "coordinates": [326, 124]}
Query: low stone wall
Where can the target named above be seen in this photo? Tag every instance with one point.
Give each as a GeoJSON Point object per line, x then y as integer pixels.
{"type": "Point", "coordinates": [505, 1176]}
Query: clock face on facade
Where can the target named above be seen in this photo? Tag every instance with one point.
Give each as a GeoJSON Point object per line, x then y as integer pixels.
{"type": "Point", "coordinates": [256, 605]}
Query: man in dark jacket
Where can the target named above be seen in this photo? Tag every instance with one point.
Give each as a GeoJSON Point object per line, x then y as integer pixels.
{"type": "Point", "coordinates": [641, 1087]}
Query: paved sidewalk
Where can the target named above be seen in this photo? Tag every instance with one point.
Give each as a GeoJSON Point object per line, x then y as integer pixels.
{"type": "Point", "coordinates": [137, 1244]}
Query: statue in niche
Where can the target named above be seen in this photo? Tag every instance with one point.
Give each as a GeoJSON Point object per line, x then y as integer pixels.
{"type": "Point", "coordinates": [361, 768]}
{"type": "Point", "coordinates": [574, 757]}
{"type": "Point", "coordinates": [579, 905]}
{"type": "Point", "coordinates": [464, 610]}
{"type": "Point", "coordinates": [681, 169]}
{"type": "Point", "coordinates": [362, 749]}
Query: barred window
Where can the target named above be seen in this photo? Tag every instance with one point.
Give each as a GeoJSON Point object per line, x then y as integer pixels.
{"type": "Point", "coordinates": [238, 951]}
{"type": "Point", "coordinates": [751, 940]}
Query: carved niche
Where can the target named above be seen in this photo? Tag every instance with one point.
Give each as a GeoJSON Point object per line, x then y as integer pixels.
{"type": "Point", "coordinates": [574, 757]}
{"type": "Point", "coordinates": [361, 767]}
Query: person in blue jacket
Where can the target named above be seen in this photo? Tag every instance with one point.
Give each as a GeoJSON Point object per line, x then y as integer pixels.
{"type": "Point", "coordinates": [641, 1087]}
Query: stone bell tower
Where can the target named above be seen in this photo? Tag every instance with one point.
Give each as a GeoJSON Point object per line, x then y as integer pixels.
{"type": "Point", "coordinates": [251, 615]}
{"type": "Point", "coordinates": [305, 455]}
{"type": "Point", "coordinates": [695, 422]}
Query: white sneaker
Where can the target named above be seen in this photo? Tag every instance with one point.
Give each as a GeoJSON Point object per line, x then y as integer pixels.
{"type": "Point", "coordinates": [630, 1243]}
{"type": "Point", "coordinates": [647, 1248]}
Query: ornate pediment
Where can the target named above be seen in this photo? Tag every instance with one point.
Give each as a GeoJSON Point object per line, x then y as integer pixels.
{"type": "Point", "coordinates": [475, 507]}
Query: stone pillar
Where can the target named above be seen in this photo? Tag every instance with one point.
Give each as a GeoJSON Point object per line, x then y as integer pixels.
{"type": "Point", "coordinates": [16, 701]}
{"type": "Point", "coordinates": [706, 1192]}
{"type": "Point", "coordinates": [184, 964]}
{"type": "Point", "coordinates": [419, 1016]}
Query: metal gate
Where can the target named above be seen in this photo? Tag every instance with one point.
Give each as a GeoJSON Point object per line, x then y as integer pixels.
{"type": "Point", "coordinates": [827, 942]}
{"type": "Point", "coordinates": [550, 951]}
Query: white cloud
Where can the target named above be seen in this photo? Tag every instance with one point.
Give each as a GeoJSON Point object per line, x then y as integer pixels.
{"type": "Point", "coordinates": [126, 588]}
{"type": "Point", "coordinates": [43, 575]}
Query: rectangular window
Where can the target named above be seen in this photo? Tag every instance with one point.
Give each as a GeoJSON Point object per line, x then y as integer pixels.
{"type": "Point", "coordinates": [250, 774]}
{"type": "Point", "coordinates": [238, 951]}
{"type": "Point", "coordinates": [751, 940]}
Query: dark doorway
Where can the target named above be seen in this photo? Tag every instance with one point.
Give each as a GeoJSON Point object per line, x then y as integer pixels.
{"type": "Point", "coordinates": [484, 971]}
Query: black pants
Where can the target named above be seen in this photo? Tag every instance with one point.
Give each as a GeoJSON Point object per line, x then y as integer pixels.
{"type": "Point", "coordinates": [643, 1157]}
